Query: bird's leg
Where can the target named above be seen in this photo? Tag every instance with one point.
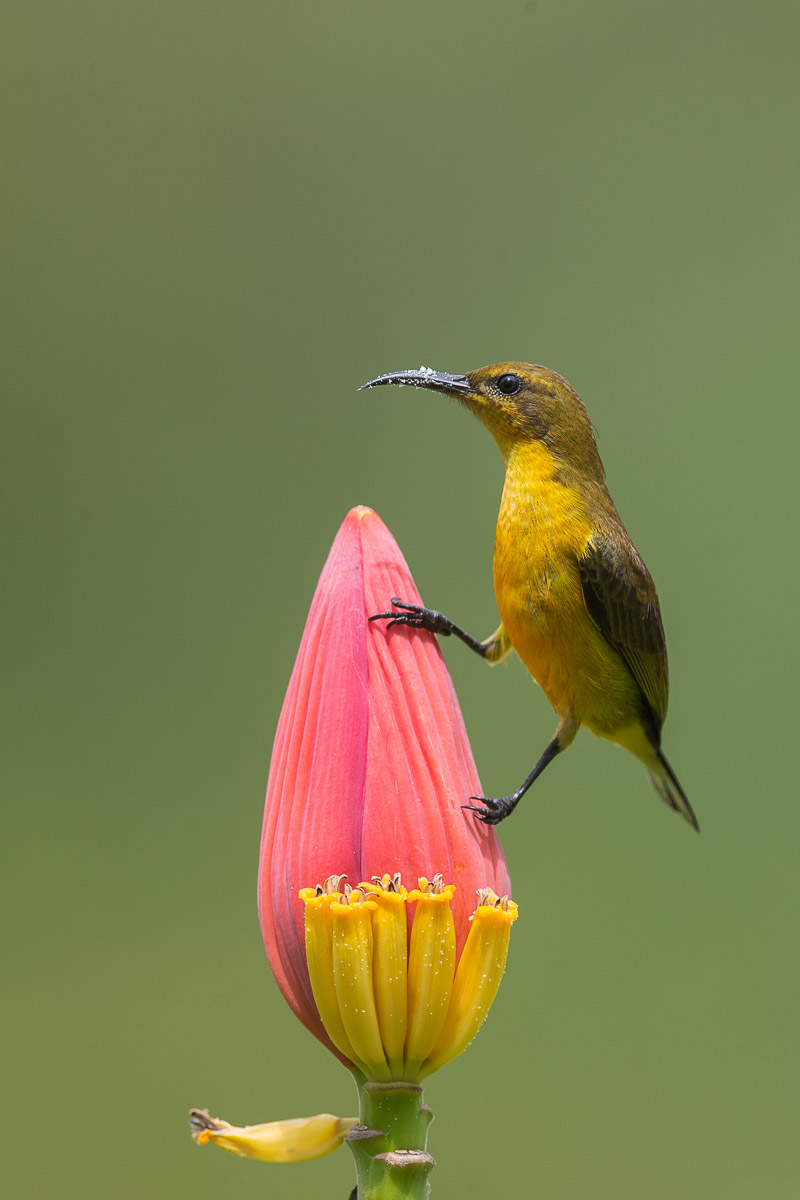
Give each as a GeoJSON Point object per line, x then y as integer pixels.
{"type": "Point", "coordinates": [497, 809]}
{"type": "Point", "coordinates": [417, 617]}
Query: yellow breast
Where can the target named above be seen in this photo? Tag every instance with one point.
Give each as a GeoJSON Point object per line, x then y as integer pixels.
{"type": "Point", "coordinates": [542, 530]}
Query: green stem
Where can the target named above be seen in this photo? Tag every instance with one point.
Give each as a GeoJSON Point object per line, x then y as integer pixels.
{"type": "Point", "coordinates": [389, 1145]}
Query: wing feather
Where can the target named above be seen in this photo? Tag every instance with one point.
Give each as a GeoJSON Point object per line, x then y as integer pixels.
{"type": "Point", "coordinates": [621, 599]}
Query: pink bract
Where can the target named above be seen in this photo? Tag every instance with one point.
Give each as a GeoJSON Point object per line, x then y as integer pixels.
{"type": "Point", "coordinates": [371, 761]}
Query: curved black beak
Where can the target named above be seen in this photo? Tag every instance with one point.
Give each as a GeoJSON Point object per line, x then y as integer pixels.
{"type": "Point", "coordinates": [437, 381]}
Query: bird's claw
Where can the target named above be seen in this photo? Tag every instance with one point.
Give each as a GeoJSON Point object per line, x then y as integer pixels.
{"type": "Point", "coordinates": [494, 810]}
{"type": "Point", "coordinates": [414, 616]}
{"type": "Point", "coordinates": [396, 619]}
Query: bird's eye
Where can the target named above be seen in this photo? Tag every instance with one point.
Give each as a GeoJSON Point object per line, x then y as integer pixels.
{"type": "Point", "coordinates": [509, 384]}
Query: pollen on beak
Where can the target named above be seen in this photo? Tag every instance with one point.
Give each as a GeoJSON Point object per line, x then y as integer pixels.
{"type": "Point", "coordinates": [425, 377]}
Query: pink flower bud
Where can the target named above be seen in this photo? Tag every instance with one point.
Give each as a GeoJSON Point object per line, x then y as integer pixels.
{"type": "Point", "coordinates": [371, 761]}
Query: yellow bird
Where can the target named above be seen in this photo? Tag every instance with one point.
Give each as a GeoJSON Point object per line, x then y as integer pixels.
{"type": "Point", "coordinates": [576, 601]}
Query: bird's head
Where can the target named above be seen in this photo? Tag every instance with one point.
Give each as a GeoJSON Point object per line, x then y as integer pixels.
{"type": "Point", "coordinates": [518, 403]}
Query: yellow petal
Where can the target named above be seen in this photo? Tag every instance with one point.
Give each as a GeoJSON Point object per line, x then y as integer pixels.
{"type": "Point", "coordinates": [353, 977]}
{"type": "Point", "coordinates": [390, 966]}
{"type": "Point", "coordinates": [480, 970]}
{"type": "Point", "coordinates": [278, 1141]}
{"type": "Point", "coordinates": [431, 964]}
{"type": "Point", "coordinates": [319, 955]}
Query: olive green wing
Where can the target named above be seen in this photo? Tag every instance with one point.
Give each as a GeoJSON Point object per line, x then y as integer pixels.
{"type": "Point", "coordinates": [621, 599]}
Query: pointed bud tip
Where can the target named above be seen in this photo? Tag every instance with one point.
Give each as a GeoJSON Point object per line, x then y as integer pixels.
{"type": "Point", "coordinates": [359, 511]}
{"type": "Point", "coordinates": [360, 521]}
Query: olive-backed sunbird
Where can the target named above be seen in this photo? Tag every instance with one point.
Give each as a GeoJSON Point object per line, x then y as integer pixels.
{"type": "Point", "coordinates": [576, 601]}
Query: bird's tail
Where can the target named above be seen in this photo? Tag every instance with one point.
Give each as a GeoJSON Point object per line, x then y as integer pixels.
{"type": "Point", "coordinates": [663, 779]}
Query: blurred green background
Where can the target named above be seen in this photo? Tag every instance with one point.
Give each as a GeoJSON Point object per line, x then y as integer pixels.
{"type": "Point", "coordinates": [220, 220]}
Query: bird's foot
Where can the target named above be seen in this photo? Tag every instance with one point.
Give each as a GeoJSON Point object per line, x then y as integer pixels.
{"type": "Point", "coordinates": [416, 617]}
{"type": "Point", "coordinates": [494, 810]}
